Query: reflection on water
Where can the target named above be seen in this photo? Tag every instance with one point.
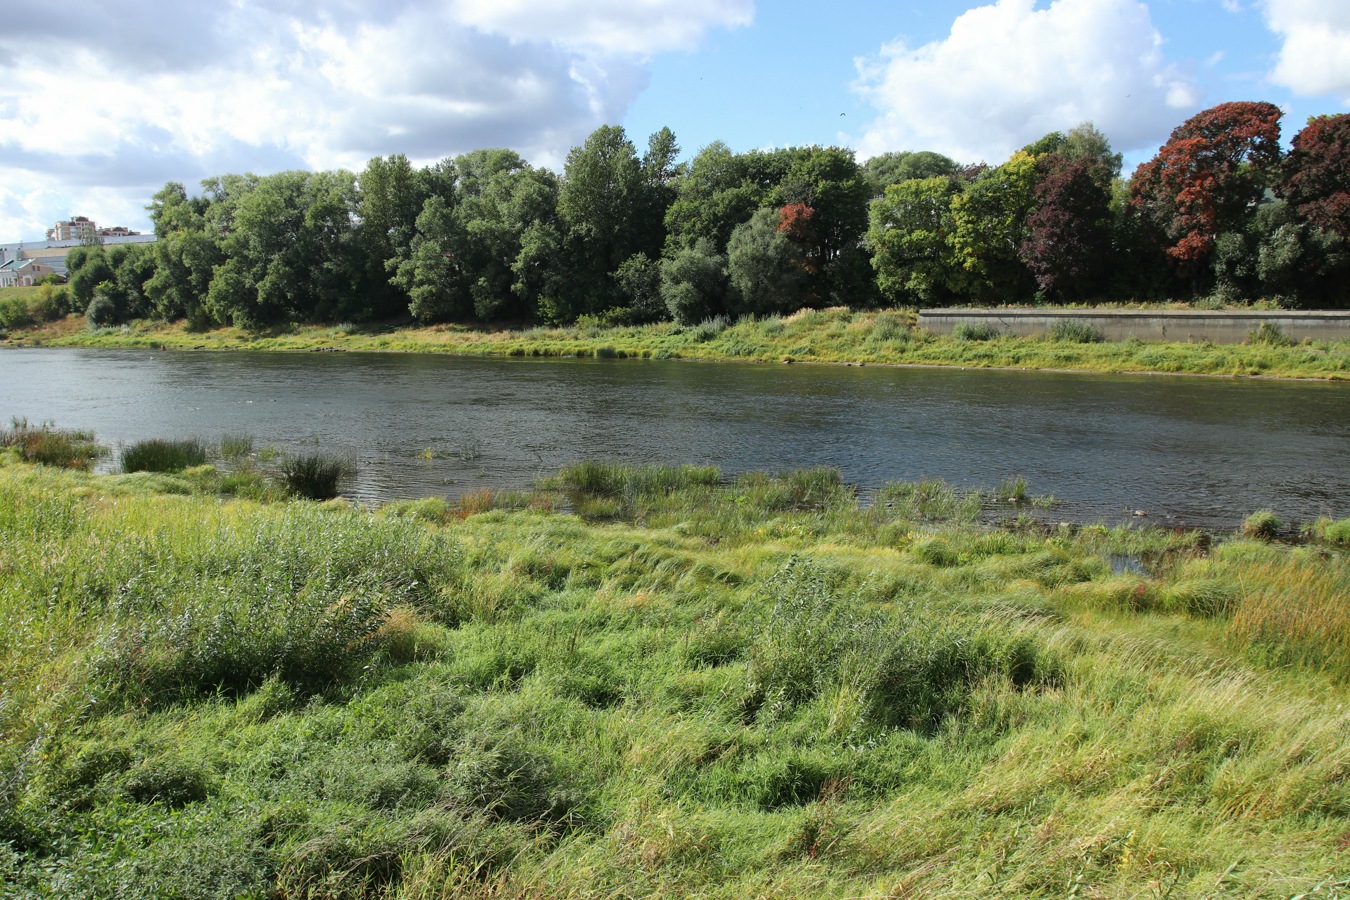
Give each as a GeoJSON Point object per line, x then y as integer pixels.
{"type": "Point", "coordinates": [1184, 450]}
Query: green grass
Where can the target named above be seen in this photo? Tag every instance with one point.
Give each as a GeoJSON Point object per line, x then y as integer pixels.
{"type": "Point", "coordinates": [163, 455]}
{"type": "Point", "coordinates": [717, 687]}
{"type": "Point", "coordinates": [885, 337]}
{"type": "Point", "coordinates": [316, 476]}
{"type": "Point", "coordinates": [51, 446]}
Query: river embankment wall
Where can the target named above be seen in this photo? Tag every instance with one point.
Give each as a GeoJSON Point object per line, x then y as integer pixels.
{"type": "Point", "coordinates": [1178, 325]}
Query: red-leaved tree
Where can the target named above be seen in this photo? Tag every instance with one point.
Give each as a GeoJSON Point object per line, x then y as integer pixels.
{"type": "Point", "coordinates": [1068, 241]}
{"type": "Point", "coordinates": [1317, 174]}
{"type": "Point", "coordinates": [1212, 169]}
{"type": "Point", "coordinates": [794, 221]}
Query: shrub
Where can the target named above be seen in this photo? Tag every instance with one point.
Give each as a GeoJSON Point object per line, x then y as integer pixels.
{"type": "Point", "coordinates": [101, 312]}
{"type": "Point", "coordinates": [1268, 335]}
{"type": "Point", "coordinates": [160, 455]}
{"type": "Point", "coordinates": [1072, 331]}
{"type": "Point", "coordinates": [924, 677]}
{"type": "Point", "coordinates": [975, 331]}
{"type": "Point", "coordinates": [708, 328]}
{"type": "Point", "coordinates": [316, 476]}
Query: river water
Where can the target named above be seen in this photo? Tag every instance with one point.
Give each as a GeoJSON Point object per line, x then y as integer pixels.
{"type": "Point", "coordinates": [1194, 451]}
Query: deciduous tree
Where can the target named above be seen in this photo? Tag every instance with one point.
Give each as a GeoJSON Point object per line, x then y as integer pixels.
{"type": "Point", "coordinates": [1317, 174]}
{"type": "Point", "coordinates": [909, 236]}
{"type": "Point", "coordinates": [1068, 240]}
{"type": "Point", "coordinates": [1208, 176]}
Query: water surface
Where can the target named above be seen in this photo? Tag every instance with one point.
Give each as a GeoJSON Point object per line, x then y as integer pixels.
{"type": "Point", "coordinates": [1202, 451]}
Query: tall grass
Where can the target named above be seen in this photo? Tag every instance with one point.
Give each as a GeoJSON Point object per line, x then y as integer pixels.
{"type": "Point", "coordinates": [51, 446]}
{"type": "Point", "coordinates": [744, 687]}
{"type": "Point", "coordinates": [316, 476]}
{"type": "Point", "coordinates": [163, 455]}
{"type": "Point", "coordinates": [1073, 331]}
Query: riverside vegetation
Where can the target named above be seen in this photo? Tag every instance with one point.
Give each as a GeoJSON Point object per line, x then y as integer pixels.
{"type": "Point", "coordinates": [657, 682]}
{"type": "Point", "coordinates": [837, 335]}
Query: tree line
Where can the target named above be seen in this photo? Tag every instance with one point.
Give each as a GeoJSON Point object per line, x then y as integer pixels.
{"type": "Point", "coordinates": [1221, 213]}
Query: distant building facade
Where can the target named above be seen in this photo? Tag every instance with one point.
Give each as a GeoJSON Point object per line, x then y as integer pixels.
{"type": "Point", "coordinates": [25, 272]}
{"type": "Point", "coordinates": [83, 229]}
{"type": "Point", "coordinates": [76, 228]}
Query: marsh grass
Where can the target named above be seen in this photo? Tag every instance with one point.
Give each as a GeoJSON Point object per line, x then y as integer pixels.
{"type": "Point", "coordinates": [234, 448]}
{"type": "Point", "coordinates": [51, 446]}
{"type": "Point", "coordinates": [163, 455]}
{"type": "Point", "coordinates": [756, 686]}
{"type": "Point", "coordinates": [1263, 524]}
{"type": "Point", "coordinates": [315, 476]}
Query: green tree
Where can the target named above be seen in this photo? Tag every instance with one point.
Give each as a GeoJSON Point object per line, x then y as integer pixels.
{"type": "Point", "coordinates": [88, 266]}
{"type": "Point", "coordinates": [292, 252]}
{"type": "Point", "coordinates": [989, 225]}
{"type": "Point", "coordinates": [694, 282]}
{"type": "Point", "coordinates": [910, 238]}
{"type": "Point", "coordinates": [765, 274]}
{"type": "Point", "coordinates": [906, 165]}
{"type": "Point", "coordinates": [1086, 145]}
{"type": "Point", "coordinates": [714, 196]}
{"type": "Point", "coordinates": [605, 208]}
{"type": "Point", "coordinates": [390, 197]}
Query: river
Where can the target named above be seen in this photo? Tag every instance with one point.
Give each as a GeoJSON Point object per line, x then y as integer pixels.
{"type": "Point", "coordinates": [1194, 451]}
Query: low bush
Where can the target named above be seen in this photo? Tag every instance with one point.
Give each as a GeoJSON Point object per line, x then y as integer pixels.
{"type": "Point", "coordinates": [1268, 335]}
{"type": "Point", "coordinates": [975, 331]}
{"type": "Point", "coordinates": [1073, 331]}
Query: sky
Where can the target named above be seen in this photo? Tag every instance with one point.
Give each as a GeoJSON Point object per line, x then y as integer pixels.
{"type": "Point", "coordinates": [101, 104]}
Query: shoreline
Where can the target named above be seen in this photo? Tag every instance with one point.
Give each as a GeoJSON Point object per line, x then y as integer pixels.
{"type": "Point", "coordinates": [821, 337]}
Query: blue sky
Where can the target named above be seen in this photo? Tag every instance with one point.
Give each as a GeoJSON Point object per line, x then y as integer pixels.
{"type": "Point", "coordinates": [161, 91]}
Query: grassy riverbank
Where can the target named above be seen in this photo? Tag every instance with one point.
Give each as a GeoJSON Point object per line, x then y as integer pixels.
{"type": "Point", "coordinates": [830, 336]}
{"type": "Point", "coordinates": [681, 688]}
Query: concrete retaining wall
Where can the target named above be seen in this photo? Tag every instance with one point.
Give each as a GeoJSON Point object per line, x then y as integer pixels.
{"type": "Point", "coordinates": [1186, 326]}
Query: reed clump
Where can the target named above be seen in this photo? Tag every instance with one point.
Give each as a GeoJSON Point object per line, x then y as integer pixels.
{"type": "Point", "coordinates": [316, 476]}
{"type": "Point", "coordinates": [51, 446]}
{"type": "Point", "coordinates": [163, 455]}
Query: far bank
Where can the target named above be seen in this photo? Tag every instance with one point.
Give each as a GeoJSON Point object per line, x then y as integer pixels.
{"type": "Point", "coordinates": [1072, 342]}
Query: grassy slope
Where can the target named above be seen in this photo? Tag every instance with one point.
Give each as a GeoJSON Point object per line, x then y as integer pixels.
{"type": "Point", "coordinates": [886, 337]}
{"type": "Point", "coordinates": [760, 690]}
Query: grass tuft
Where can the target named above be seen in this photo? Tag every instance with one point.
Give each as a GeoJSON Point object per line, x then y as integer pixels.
{"type": "Point", "coordinates": [1073, 331]}
{"type": "Point", "coordinates": [161, 455]}
{"type": "Point", "coordinates": [51, 446]}
{"type": "Point", "coordinates": [316, 476]}
{"type": "Point", "coordinates": [1263, 525]}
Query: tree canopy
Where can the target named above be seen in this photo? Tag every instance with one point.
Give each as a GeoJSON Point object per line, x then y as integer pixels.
{"type": "Point", "coordinates": [625, 236]}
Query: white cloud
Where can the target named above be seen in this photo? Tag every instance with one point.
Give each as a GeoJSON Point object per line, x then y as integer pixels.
{"type": "Point", "coordinates": [639, 27]}
{"type": "Point", "coordinates": [1314, 58]}
{"type": "Point", "coordinates": [1010, 72]}
{"type": "Point", "coordinates": [124, 97]}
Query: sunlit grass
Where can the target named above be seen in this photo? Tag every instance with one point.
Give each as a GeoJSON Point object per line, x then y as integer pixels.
{"type": "Point", "coordinates": [702, 686]}
{"type": "Point", "coordinates": [887, 337]}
